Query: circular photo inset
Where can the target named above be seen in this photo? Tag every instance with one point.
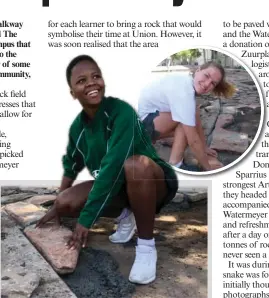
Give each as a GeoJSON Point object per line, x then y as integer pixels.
{"type": "Point", "coordinates": [203, 110]}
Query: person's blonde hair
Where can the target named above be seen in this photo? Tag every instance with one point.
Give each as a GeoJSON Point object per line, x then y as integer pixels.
{"type": "Point", "coordinates": [223, 88]}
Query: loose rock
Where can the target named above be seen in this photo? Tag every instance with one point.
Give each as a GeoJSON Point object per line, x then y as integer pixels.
{"type": "Point", "coordinates": [18, 284]}
{"type": "Point", "coordinates": [13, 198]}
{"type": "Point", "coordinates": [24, 213]}
{"type": "Point", "coordinates": [50, 241]}
{"type": "Point", "coordinates": [224, 120]}
{"type": "Point", "coordinates": [42, 200]}
{"type": "Point", "coordinates": [225, 140]}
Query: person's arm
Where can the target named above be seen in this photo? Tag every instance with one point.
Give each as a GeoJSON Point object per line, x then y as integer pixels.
{"type": "Point", "coordinates": [111, 175]}
{"type": "Point", "coordinates": [66, 183]}
{"type": "Point", "coordinates": [201, 134]}
{"type": "Point", "coordinates": [197, 146]}
{"type": "Point", "coordinates": [73, 164]}
{"type": "Point", "coordinates": [199, 127]}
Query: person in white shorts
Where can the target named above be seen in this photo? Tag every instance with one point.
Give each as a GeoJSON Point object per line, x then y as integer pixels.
{"type": "Point", "coordinates": [168, 108]}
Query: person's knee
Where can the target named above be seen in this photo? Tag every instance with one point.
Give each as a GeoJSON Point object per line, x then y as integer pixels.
{"type": "Point", "coordinates": [138, 167]}
{"type": "Point", "coordinates": [180, 128]}
{"type": "Point", "coordinates": [63, 205]}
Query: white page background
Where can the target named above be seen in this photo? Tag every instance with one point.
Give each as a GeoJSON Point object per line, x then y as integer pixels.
{"type": "Point", "coordinates": [44, 136]}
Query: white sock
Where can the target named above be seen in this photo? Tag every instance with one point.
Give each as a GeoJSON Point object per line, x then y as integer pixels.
{"type": "Point", "coordinates": [178, 165]}
{"type": "Point", "coordinates": [146, 242]}
{"type": "Point", "coordinates": [125, 212]}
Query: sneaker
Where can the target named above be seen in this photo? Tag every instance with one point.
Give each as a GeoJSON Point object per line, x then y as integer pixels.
{"type": "Point", "coordinates": [144, 267]}
{"type": "Point", "coordinates": [125, 230]}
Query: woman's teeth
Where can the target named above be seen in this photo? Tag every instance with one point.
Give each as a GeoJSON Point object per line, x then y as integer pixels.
{"type": "Point", "coordinates": [92, 93]}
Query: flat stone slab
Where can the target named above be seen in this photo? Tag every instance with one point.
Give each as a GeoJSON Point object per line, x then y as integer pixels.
{"type": "Point", "coordinates": [42, 200]}
{"type": "Point", "coordinates": [190, 159]}
{"type": "Point", "coordinates": [193, 196]}
{"type": "Point", "coordinates": [223, 120]}
{"type": "Point", "coordinates": [17, 282]}
{"type": "Point", "coordinates": [13, 198]}
{"type": "Point", "coordinates": [24, 213]}
{"type": "Point", "coordinates": [213, 161]}
{"type": "Point", "coordinates": [179, 198]}
{"type": "Point", "coordinates": [197, 196]}
{"type": "Point", "coordinates": [225, 140]}
{"type": "Point", "coordinates": [38, 190]}
{"type": "Point", "coordinates": [209, 117]}
{"type": "Point", "coordinates": [6, 191]}
{"type": "Point", "coordinates": [50, 242]}
{"type": "Point", "coordinates": [19, 257]}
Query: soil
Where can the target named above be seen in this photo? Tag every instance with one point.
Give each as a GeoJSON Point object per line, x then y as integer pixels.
{"type": "Point", "coordinates": [246, 120]}
{"type": "Point", "coordinates": [181, 241]}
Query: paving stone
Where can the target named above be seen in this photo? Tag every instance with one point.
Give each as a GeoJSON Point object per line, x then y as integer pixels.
{"type": "Point", "coordinates": [9, 190]}
{"type": "Point", "coordinates": [42, 200]}
{"type": "Point", "coordinates": [223, 120]}
{"type": "Point", "coordinates": [39, 190]}
{"type": "Point", "coordinates": [193, 196]}
{"type": "Point", "coordinates": [35, 190]}
{"type": "Point", "coordinates": [255, 106]}
{"type": "Point", "coordinates": [24, 213]}
{"type": "Point", "coordinates": [50, 241]}
{"type": "Point", "coordinates": [17, 282]}
{"type": "Point", "coordinates": [214, 107]}
{"type": "Point", "coordinates": [249, 100]}
{"type": "Point", "coordinates": [190, 159]}
{"type": "Point", "coordinates": [225, 140]}
{"type": "Point", "coordinates": [209, 117]}
{"type": "Point", "coordinates": [186, 189]}
{"type": "Point", "coordinates": [213, 161]}
{"type": "Point", "coordinates": [230, 109]}
{"type": "Point", "coordinates": [179, 198]}
{"type": "Point", "coordinates": [17, 252]}
{"type": "Point", "coordinates": [15, 198]}
{"type": "Point", "coordinates": [196, 196]}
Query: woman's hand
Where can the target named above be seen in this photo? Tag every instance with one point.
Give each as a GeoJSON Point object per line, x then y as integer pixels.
{"type": "Point", "coordinates": [78, 238]}
{"type": "Point", "coordinates": [211, 152]}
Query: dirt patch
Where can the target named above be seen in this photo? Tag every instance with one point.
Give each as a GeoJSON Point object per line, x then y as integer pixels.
{"type": "Point", "coordinates": [97, 276]}
{"type": "Point", "coordinates": [181, 241]}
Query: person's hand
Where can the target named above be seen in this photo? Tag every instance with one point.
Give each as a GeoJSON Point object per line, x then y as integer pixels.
{"type": "Point", "coordinates": [211, 152]}
{"type": "Point", "coordinates": [78, 238]}
{"type": "Point", "coordinates": [51, 215]}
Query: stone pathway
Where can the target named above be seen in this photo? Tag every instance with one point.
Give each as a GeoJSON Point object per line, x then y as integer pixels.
{"type": "Point", "coordinates": [230, 125]}
{"type": "Point", "coordinates": [95, 273]}
{"type": "Point", "coordinates": [24, 272]}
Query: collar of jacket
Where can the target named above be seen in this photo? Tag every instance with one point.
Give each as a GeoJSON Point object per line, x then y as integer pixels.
{"type": "Point", "coordinates": [89, 122]}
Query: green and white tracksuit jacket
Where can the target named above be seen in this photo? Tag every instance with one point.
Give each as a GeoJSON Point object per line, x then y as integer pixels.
{"type": "Point", "coordinates": [102, 146]}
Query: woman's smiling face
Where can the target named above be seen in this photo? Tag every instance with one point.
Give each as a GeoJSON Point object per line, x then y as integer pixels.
{"type": "Point", "coordinates": [205, 80]}
{"type": "Point", "coordinates": [87, 84]}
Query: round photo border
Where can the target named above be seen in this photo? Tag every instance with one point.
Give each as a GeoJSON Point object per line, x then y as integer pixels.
{"type": "Point", "coordinates": [258, 133]}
